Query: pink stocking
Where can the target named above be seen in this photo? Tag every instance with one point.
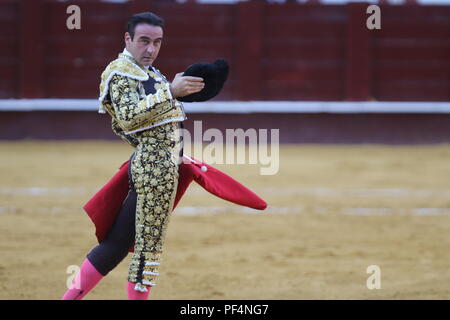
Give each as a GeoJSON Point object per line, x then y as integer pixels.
{"type": "Point", "coordinates": [134, 294]}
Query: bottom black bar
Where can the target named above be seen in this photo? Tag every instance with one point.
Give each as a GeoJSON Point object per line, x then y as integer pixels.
{"type": "Point", "coordinates": [225, 309]}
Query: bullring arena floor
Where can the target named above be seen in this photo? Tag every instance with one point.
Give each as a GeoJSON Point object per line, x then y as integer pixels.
{"type": "Point", "coordinates": [334, 211]}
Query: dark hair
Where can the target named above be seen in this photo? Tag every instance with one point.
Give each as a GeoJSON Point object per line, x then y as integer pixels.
{"type": "Point", "coordinates": [143, 17]}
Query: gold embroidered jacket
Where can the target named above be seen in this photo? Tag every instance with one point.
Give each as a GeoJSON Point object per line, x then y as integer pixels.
{"type": "Point", "coordinates": [132, 109]}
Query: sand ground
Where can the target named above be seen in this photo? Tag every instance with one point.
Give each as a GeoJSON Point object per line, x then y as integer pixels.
{"type": "Point", "coordinates": [334, 211]}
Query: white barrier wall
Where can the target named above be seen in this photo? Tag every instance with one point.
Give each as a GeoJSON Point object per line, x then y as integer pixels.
{"type": "Point", "coordinates": [243, 106]}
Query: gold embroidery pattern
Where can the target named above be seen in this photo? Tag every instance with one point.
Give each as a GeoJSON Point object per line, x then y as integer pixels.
{"type": "Point", "coordinates": [124, 66]}
{"type": "Point", "coordinates": [122, 95]}
{"type": "Point", "coordinates": [132, 112]}
{"type": "Point", "coordinates": [154, 170]}
{"type": "Point", "coordinates": [128, 138]}
{"type": "Point", "coordinates": [150, 123]}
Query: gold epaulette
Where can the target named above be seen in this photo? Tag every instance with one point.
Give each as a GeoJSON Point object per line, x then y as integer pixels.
{"type": "Point", "coordinates": [122, 66]}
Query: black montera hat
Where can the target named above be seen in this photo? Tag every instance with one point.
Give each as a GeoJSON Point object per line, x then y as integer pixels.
{"type": "Point", "coordinates": [214, 76]}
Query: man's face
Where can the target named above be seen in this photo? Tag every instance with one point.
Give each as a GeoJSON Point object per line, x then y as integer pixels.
{"type": "Point", "coordinates": [146, 43]}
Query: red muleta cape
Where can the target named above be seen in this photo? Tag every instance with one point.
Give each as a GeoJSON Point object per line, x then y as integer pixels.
{"type": "Point", "coordinates": [105, 205]}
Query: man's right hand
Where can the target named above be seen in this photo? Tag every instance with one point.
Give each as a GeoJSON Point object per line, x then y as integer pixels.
{"type": "Point", "coordinates": [184, 85]}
